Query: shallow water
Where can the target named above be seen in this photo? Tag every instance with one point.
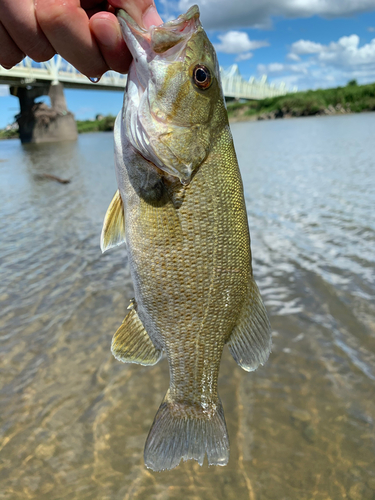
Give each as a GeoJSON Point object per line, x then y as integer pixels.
{"type": "Point", "coordinates": [73, 420]}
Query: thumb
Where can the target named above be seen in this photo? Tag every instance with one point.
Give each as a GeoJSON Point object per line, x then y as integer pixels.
{"type": "Point", "coordinates": [143, 12]}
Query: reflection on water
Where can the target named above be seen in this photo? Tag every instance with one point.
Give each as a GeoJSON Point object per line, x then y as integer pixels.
{"type": "Point", "coordinates": [73, 420]}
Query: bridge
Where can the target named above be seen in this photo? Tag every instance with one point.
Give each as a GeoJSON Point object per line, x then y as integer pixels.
{"type": "Point", "coordinates": [29, 80]}
{"type": "Point", "coordinates": [57, 70]}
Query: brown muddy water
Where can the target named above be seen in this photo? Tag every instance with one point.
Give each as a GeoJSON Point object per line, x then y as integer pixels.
{"type": "Point", "coordinates": [73, 420]}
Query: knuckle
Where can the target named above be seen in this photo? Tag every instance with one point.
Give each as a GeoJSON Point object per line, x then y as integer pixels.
{"type": "Point", "coordinates": [40, 54]}
{"type": "Point", "coordinates": [51, 14]}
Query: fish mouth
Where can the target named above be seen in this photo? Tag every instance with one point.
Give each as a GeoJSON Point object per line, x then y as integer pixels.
{"type": "Point", "coordinates": [158, 39]}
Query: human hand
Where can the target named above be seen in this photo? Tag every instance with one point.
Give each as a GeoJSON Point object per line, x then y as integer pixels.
{"type": "Point", "coordinates": [84, 32]}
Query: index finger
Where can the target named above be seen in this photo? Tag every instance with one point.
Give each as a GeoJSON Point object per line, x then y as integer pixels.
{"type": "Point", "coordinates": [66, 25]}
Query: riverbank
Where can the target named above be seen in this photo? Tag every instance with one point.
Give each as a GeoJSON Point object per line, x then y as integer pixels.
{"type": "Point", "coordinates": [350, 99]}
{"type": "Point", "coordinates": [102, 124]}
{"type": "Point", "coordinates": [9, 134]}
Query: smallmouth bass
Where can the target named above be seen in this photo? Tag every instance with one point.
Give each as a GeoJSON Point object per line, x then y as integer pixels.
{"type": "Point", "coordinates": [180, 207]}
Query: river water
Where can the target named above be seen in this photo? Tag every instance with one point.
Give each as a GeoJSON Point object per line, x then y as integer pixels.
{"type": "Point", "coordinates": [73, 420]}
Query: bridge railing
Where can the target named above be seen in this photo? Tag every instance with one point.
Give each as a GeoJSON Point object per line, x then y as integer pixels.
{"type": "Point", "coordinates": [234, 85]}
{"type": "Point", "coordinates": [58, 70]}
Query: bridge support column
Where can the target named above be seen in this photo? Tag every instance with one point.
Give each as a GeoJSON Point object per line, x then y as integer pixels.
{"type": "Point", "coordinates": [40, 123]}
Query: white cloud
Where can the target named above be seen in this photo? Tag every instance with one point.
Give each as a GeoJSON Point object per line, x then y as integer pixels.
{"type": "Point", "coordinates": [371, 29]}
{"type": "Point", "coordinates": [344, 53]}
{"type": "Point", "coordinates": [317, 65]}
{"type": "Point", "coordinates": [306, 47]}
{"type": "Point", "coordinates": [272, 68]}
{"type": "Point", "coordinates": [293, 57]}
{"type": "Point", "coordinates": [237, 42]}
{"type": "Point", "coordinates": [244, 57]}
{"type": "Point", "coordinates": [4, 90]}
{"type": "Point", "coordinates": [218, 14]}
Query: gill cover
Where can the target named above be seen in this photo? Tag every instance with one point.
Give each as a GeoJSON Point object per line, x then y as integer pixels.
{"type": "Point", "coordinates": [172, 90]}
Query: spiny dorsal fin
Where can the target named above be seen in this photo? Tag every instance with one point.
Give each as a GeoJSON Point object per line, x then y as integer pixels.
{"type": "Point", "coordinates": [113, 232]}
{"type": "Point", "coordinates": [250, 341]}
{"type": "Point", "coordinates": [132, 344]}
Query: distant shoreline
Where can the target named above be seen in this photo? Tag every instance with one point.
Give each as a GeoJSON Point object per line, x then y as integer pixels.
{"type": "Point", "coordinates": [323, 102]}
{"type": "Point", "coordinates": [271, 116]}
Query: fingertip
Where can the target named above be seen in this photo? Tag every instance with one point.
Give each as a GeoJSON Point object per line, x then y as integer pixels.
{"type": "Point", "coordinates": [10, 55]}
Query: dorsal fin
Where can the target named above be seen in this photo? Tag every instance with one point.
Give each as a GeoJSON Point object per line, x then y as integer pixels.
{"type": "Point", "coordinates": [113, 232]}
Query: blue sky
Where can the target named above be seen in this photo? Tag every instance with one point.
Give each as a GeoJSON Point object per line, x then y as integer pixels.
{"type": "Point", "coordinates": [305, 43]}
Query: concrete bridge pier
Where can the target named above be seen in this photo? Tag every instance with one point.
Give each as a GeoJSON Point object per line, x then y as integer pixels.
{"type": "Point", "coordinates": [41, 123]}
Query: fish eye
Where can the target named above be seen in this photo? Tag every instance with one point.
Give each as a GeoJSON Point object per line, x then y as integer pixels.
{"type": "Point", "coordinates": [202, 76]}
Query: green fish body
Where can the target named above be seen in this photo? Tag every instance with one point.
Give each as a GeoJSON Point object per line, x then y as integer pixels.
{"type": "Point", "coordinates": [180, 207]}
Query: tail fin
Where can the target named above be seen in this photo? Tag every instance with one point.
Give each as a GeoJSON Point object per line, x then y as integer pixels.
{"type": "Point", "coordinates": [186, 432]}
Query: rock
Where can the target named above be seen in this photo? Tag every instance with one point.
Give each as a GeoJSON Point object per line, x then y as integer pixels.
{"type": "Point", "coordinates": [309, 433]}
{"type": "Point", "coordinates": [301, 415]}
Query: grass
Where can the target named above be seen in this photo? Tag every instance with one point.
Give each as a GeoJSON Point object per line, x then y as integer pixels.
{"type": "Point", "coordinates": [106, 124]}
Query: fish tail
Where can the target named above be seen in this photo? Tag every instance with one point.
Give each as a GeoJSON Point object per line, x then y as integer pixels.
{"type": "Point", "coordinates": [183, 431]}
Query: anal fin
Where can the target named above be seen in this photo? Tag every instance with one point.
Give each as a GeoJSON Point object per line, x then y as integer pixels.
{"type": "Point", "coordinates": [132, 344]}
{"type": "Point", "coordinates": [250, 341]}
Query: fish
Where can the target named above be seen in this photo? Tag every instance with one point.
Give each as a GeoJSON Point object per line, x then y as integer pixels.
{"type": "Point", "coordinates": [180, 208]}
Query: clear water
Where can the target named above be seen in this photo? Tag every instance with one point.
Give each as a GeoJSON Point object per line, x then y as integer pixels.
{"type": "Point", "coordinates": [73, 420]}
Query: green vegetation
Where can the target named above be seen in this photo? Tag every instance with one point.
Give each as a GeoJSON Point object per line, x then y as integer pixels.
{"type": "Point", "coordinates": [8, 134]}
{"type": "Point", "coordinates": [352, 98]}
{"type": "Point", "coordinates": [101, 124]}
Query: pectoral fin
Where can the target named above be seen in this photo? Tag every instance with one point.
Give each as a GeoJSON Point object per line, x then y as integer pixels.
{"type": "Point", "coordinates": [113, 232]}
{"type": "Point", "coordinates": [132, 344]}
{"type": "Point", "coordinates": [250, 341]}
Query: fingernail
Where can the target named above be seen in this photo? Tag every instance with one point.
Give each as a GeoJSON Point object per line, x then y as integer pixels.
{"type": "Point", "coordinates": [105, 32]}
{"type": "Point", "coordinates": [151, 17]}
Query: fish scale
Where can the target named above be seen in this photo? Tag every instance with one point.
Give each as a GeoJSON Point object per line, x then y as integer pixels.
{"type": "Point", "coordinates": [183, 209]}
